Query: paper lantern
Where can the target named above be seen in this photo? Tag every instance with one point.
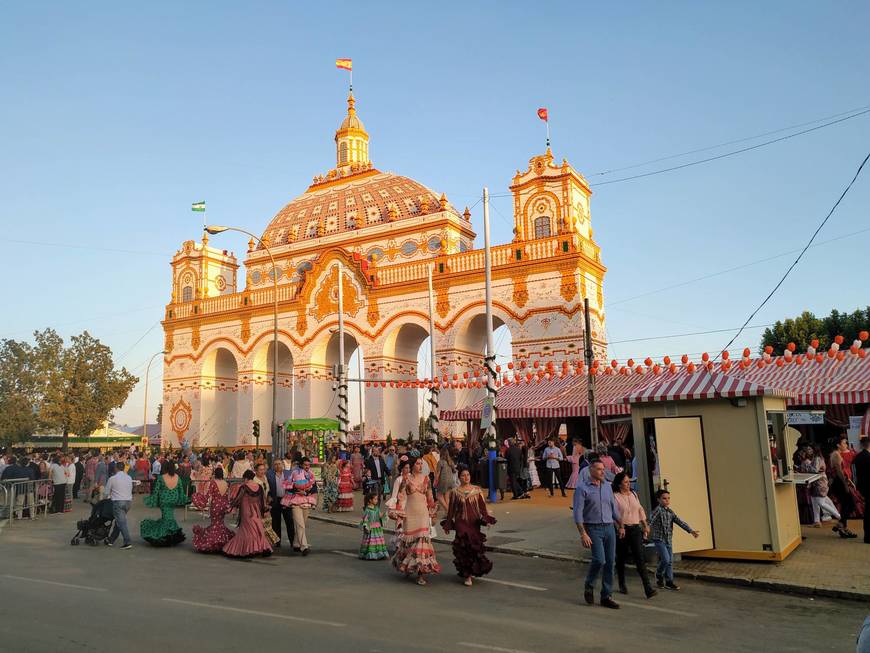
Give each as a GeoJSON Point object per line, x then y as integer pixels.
{"type": "Point", "coordinates": [759, 364]}
{"type": "Point", "coordinates": [631, 362]}
{"type": "Point", "coordinates": [523, 365]}
{"type": "Point", "coordinates": [672, 368]}
{"type": "Point", "coordinates": [863, 335]}
{"type": "Point", "coordinates": [838, 340]}
{"type": "Point", "coordinates": [368, 384]}
{"type": "Point", "coordinates": [725, 355]}
{"type": "Point", "coordinates": [614, 364]}
{"type": "Point", "coordinates": [666, 360]}
{"type": "Point", "coordinates": [854, 348]}
{"type": "Point", "coordinates": [841, 355]}
{"type": "Point", "coordinates": [685, 359]}
{"type": "Point", "coordinates": [464, 375]}
{"type": "Point", "coordinates": [780, 362]}
{"type": "Point", "coordinates": [656, 370]}
{"type": "Point", "coordinates": [595, 363]}
{"type": "Point", "coordinates": [647, 361]}
{"type": "Point", "coordinates": [862, 353]}
{"type": "Point", "coordinates": [768, 349]}
{"type": "Point", "coordinates": [819, 358]}
{"type": "Point", "coordinates": [835, 346]}
{"type": "Point", "coordinates": [510, 366]}
{"type": "Point", "coordinates": [798, 360]}
{"type": "Point", "coordinates": [791, 346]}
{"type": "Point", "coordinates": [709, 366]}
{"type": "Point", "coordinates": [746, 352]}
{"type": "Point", "coordinates": [691, 367]}
{"type": "Point", "coordinates": [831, 353]}
{"type": "Point", "coordinates": [535, 364]}
{"type": "Point", "coordinates": [814, 343]}
{"type": "Point", "coordinates": [705, 357]}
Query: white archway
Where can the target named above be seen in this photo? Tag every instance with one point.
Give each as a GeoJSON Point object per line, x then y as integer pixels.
{"type": "Point", "coordinates": [219, 382]}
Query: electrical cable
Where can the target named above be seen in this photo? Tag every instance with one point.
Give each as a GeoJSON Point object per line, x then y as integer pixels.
{"type": "Point", "coordinates": [800, 256]}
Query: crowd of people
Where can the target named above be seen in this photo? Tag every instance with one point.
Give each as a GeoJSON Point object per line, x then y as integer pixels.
{"type": "Point", "coordinates": [410, 487]}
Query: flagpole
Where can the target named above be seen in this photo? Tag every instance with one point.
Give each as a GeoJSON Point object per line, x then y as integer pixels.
{"type": "Point", "coordinates": [548, 131]}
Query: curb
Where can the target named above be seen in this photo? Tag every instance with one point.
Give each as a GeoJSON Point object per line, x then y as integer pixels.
{"type": "Point", "coordinates": [767, 586]}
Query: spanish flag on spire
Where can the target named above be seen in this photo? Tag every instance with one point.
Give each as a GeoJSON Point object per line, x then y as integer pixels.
{"type": "Point", "coordinates": [346, 64]}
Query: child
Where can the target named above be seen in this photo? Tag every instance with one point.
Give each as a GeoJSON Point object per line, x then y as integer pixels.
{"type": "Point", "coordinates": [373, 545]}
{"type": "Point", "coordinates": [661, 524]}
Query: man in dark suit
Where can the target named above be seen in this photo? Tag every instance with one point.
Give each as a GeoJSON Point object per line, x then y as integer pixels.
{"type": "Point", "coordinates": [862, 481]}
{"type": "Point", "coordinates": [376, 464]}
{"type": "Point", "coordinates": [515, 463]}
{"type": "Point", "coordinates": [276, 477]}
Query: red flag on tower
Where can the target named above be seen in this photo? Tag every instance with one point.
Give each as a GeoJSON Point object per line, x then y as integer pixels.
{"type": "Point", "coordinates": [347, 64]}
{"type": "Point", "coordinates": [542, 114]}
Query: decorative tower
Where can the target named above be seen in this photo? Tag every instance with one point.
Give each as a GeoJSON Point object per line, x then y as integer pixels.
{"type": "Point", "coordinates": [351, 141]}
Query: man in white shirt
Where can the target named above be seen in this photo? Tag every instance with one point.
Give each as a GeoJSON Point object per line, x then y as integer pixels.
{"type": "Point", "coordinates": [119, 489]}
{"type": "Point", "coordinates": [155, 468]}
{"type": "Point", "coordinates": [57, 474]}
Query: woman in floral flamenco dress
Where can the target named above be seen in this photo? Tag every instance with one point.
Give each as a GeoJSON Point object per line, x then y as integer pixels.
{"type": "Point", "coordinates": [415, 554]}
{"type": "Point", "coordinates": [214, 537]}
{"type": "Point", "coordinates": [250, 538]}
{"type": "Point", "coordinates": [466, 513]}
{"type": "Point", "coordinates": [167, 494]}
{"type": "Point", "coordinates": [345, 487]}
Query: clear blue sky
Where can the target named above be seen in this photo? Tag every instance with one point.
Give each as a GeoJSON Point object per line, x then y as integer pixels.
{"type": "Point", "coordinates": [115, 117]}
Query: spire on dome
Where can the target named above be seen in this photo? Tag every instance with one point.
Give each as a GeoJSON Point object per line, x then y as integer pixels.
{"type": "Point", "coordinates": [351, 139]}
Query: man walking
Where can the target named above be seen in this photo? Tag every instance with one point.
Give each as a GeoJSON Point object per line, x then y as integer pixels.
{"type": "Point", "coordinates": [377, 466]}
{"type": "Point", "coordinates": [862, 481]}
{"type": "Point", "coordinates": [119, 489]}
{"type": "Point", "coordinates": [595, 514]}
{"type": "Point", "coordinates": [276, 477]}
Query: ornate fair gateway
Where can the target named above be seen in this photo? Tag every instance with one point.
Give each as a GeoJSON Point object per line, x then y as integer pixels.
{"type": "Point", "coordinates": [382, 233]}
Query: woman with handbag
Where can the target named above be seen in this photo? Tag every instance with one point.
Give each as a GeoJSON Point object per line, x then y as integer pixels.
{"type": "Point", "coordinates": [631, 534]}
{"type": "Point", "coordinates": [396, 503]}
{"type": "Point", "coordinates": [415, 554]}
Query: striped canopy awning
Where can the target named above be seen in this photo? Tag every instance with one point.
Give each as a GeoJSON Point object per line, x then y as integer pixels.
{"type": "Point", "coordinates": [812, 383]}
{"type": "Point", "coordinates": [565, 397]}
{"type": "Point", "coordinates": [804, 384]}
{"type": "Point", "coordinates": [700, 384]}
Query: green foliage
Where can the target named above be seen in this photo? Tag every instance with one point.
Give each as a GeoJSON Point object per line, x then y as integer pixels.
{"type": "Point", "coordinates": [807, 327]}
{"type": "Point", "coordinates": [160, 414]}
{"type": "Point", "coordinates": [52, 387]}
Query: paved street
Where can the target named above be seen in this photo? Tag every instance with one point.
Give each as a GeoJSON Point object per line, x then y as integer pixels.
{"type": "Point", "coordinates": [61, 598]}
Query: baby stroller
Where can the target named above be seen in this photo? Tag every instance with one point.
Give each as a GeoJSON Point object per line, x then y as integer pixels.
{"type": "Point", "coordinates": [96, 527]}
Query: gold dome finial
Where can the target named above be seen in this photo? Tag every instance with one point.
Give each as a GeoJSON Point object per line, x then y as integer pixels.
{"type": "Point", "coordinates": [351, 140]}
{"type": "Point", "coordinates": [467, 215]}
{"type": "Point", "coordinates": [443, 202]}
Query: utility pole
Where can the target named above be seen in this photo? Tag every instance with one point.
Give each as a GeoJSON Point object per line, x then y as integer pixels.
{"type": "Point", "coordinates": [489, 360]}
{"type": "Point", "coordinates": [342, 384]}
{"type": "Point", "coordinates": [590, 379]}
{"type": "Point", "coordinates": [433, 392]}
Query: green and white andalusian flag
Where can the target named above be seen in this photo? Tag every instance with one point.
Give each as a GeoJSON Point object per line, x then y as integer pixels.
{"type": "Point", "coordinates": [198, 207]}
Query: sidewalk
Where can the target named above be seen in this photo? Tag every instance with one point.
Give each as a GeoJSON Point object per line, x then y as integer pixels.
{"type": "Point", "coordinates": [823, 565]}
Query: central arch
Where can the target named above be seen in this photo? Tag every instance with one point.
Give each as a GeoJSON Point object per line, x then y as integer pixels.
{"type": "Point", "coordinates": [219, 382]}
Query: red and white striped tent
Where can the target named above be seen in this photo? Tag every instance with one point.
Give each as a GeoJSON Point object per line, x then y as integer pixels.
{"type": "Point", "coordinates": [558, 397]}
{"type": "Point", "coordinates": [700, 384]}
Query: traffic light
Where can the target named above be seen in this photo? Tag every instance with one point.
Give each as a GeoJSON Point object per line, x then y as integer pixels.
{"type": "Point", "coordinates": [256, 429]}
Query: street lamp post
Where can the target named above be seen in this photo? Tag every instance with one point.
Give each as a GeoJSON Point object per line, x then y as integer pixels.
{"type": "Point", "coordinates": [145, 410]}
{"type": "Point", "coordinates": [216, 229]}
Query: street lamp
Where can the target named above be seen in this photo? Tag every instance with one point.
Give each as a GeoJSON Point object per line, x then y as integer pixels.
{"type": "Point", "coordinates": [145, 410]}
{"type": "Point", "coordinates": [217, 229]}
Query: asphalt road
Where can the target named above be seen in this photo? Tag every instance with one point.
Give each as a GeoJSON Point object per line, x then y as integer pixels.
{"type": "Point", "coordinates": [56, 597]}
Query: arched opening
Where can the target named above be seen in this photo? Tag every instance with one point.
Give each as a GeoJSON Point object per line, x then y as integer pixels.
{"type": "Point", "coordinates": [187, 294]}
{"type": "Point", "coordinates": [262, 378]}
{"type": "Point", "coordinates": [219, 381]}
{"type": "Point", "coordinates": [468, 356]}
{"type": "Point", "coordinates": [403, 407]}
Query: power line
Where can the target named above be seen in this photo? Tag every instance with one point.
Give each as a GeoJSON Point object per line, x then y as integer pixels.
{"type": "Point", "coordinates": [803, 251]}
{"type": "Point", "coordinates": [87, 247]}
{"type": "Point", "coordinates": [732, 153]}
{"type": "Point", "coordinates": [683, 335]}
{"type": "Point", "coordinates": [732, 142]}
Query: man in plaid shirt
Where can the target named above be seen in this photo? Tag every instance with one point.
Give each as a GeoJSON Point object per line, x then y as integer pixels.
{"type": "Point", "coordinates": [661, 525]}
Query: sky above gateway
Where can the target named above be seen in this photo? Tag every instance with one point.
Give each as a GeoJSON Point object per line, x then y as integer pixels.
{"type": "Point", "coordinates": [116, 118]}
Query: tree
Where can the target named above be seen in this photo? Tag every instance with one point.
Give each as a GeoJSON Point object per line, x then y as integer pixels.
{"type": "Point", "coordinates": [18, 391]}
{"type": "Point", "coordinates": [806, 327]}
{"type": "Point", "coordinates": [160, 414]}
{"type": "Point", "coordinates": [80, 385]}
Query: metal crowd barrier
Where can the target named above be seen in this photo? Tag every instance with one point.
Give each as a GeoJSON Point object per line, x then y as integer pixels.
{"type": "Point", "coordinates": [20, 495]}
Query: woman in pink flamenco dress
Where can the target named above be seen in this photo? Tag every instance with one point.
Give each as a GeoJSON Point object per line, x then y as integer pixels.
{"type": "Point", "coordinates": [214, 537]}
{"type": "Point", "coordinates": [250, 539]}
{"type": "Point", "coordinates": [575, 458]}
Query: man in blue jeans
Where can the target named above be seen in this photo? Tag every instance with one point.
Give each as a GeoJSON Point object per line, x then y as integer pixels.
{"type": "Point", "coordinates": [597, 517]}
{"type": "Point", "coordinates": [119, 489]}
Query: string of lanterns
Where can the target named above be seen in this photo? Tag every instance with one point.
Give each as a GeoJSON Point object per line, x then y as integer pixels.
{"type": "Point", "coordinates": [536, 372]}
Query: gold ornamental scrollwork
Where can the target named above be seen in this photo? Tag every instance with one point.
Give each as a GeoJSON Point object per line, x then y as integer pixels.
{"type": "Point", "coordinates": [521, 292]}
{"type": "Point", "coordinates": [245, 330]}
{"type": "Point", "coordinates": [442, 301]}
{"type": "Point", "coordinates": [373, 315]}
{"type": "Point", "coordinates": [569, 285]}
{"type": "Point", "coordinates": [194, 337]}
{"type": "Point", "coordinates": [169, 341]}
